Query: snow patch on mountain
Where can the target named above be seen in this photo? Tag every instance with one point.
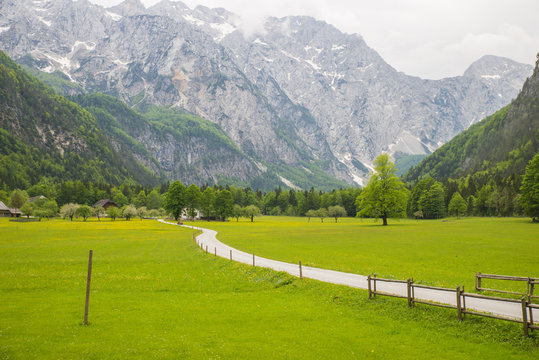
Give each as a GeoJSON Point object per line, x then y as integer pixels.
{"type": "Point", "coordinates": [224, 29]}
{"type": "Point", "coordinates": [114, 16]}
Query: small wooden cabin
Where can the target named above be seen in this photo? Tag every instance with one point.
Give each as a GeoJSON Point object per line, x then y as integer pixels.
{"type": "Point", "coordinates": [106, 203]}
{"type": "Point", "coordinates": [9, 212]}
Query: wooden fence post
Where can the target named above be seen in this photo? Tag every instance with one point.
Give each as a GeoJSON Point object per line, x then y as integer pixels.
{"type": "Point", "coordinates": [478, 288]}
{"type": "Point", "coordinates": [374, 287]}
{"type": "Point", "coordinates": [459, 310]}
{"type": "Point", "coordinates": [369, 286]}
{"type": "Point", "coordinates": [215, 249]}
{"type": "Point", "coordinates": [409, 291]}
{"type": "Point", "coordinates": [300, 272]}
{"type": "Point", "coordinates": [524, 316]}
{"type": "Point", "coordinates": [253, 259]}
{"type": "Point", "coordinates": [206, 249]}
{"type": "Point", "coordinates": [88, 280]}
{"type": "Point", "coordinates": [230, 255]}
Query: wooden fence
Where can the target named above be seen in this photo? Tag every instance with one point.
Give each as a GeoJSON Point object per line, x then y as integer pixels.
{"type": "Point", "coordinates": [460, 301]}
{"type": "Point", "coordinates": [460, 295]}
{"type": "Point", "coordinates": [530, 284]}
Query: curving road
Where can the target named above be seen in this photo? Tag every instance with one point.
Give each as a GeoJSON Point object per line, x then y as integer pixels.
{"type": "Point", "coordinates": [208, 240]}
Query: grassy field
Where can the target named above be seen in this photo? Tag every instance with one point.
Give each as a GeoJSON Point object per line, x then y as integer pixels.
{"type": "Point", "coordinates": [445, 253]}
{"type": "Point", "coordinates": [155, 295]}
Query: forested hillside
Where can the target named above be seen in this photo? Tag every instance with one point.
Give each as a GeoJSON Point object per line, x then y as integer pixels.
{"type": "Point", "coordinates": [487, 161]}
{"type": "Point", "coordinates": [501, 144]}
{"type": "Point", "coordinates": [43, 134]}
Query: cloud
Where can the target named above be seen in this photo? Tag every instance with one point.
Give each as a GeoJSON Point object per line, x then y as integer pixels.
{"type": "Point", "coordinates": [431, 39]}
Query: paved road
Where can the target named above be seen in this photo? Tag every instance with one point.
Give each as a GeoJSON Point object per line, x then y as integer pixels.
{"type": "Point", "coordinates": [208, 239]}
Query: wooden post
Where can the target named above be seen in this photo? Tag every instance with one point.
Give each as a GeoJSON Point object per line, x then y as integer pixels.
{"type": "Point", "coordinates": [300, 272]}
{"type": "Point", "coordinates": [374, 283]}
{"type": "Point", "coordinates": [253, 259]}
{"type": "Point", "coordinates": [478, 288]}
{"type": "Point", "coordinates": [206, 249]}
{"type": "Point", "coordinates": [215, 249]}
{"type": "Point", "coordinates": [230, 255]}
{"type": "Point", "coordinates": [463, 307]}
{"type": "Point", "coordinates": [369, 286]}
{"type": "Point", "coordinates": [409, 292]}
{"type": "Point", "coordinates": [88, 280]}
{"type": "Point", "coordinates": [459, 310]}
{"type": "Point", "coordinates": [476, 281]}
{"type": "Point", "coordinates": [524, 316]}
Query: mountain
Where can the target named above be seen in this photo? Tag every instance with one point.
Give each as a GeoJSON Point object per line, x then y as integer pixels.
{"type": "Point", "coordinates": [43, 134]}
{"type": "Point", "coordinates": [498, 147]}
{"type": "Point", "coordinates": [96, 137]}
{"type": "Point", "coordinates": [299, 97]}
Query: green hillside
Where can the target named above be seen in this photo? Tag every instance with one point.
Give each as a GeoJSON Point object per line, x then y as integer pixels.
{"type": "Point", "coordinates": [496, 149]}
{"type": "Point", "coordinates": [45, 135]}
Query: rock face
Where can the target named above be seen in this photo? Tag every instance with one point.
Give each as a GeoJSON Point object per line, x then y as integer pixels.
{"type": "Point", "coordinates": [301, 93]}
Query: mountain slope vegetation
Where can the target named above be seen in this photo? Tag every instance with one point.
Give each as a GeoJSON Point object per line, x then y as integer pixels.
{"type": "Point", "coordinates": [486, 162]}
{"type": "Point", "coordinates": [44, 134]}
{"type": "Point", "coordinates": [98, 138]}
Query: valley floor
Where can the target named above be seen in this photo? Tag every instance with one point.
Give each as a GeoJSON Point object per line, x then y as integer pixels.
{"type": "Point", "coordinates": [155, 295]}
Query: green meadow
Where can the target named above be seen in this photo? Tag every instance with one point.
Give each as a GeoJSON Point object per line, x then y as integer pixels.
{"type": "Point", "coordinates": [444, 252]}
{"type": "Point", "coordinates": [156, 295]}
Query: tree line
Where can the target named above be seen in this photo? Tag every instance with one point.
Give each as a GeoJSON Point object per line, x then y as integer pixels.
{"type": "Point", "coordinates": [385, 196]}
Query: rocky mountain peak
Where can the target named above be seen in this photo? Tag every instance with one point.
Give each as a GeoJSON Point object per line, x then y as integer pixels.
{"type": "Point", "coordinates": [298, 93]}
{"type": "Point", "coordinates": [493, 67]}
{"type": "Point", "coordinates": [129, 8]}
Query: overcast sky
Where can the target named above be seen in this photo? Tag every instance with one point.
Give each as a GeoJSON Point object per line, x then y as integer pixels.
{"type": "Point", "coordinates": [427, 38]}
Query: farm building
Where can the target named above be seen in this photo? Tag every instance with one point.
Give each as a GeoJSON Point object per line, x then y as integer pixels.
{"type": "Point", "coordinates": [106, 203]}
{"type": "Point", "coordinates": [34, 198]}
{"type": "Point", "coordinates": [8, 212]}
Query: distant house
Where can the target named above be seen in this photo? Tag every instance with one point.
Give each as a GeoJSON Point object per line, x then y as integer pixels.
{"type": "Point", "coordinates": [4, 210]}
{"type": "Point", "coordinates": [34, 198]}
{"type": "Point", "coordinates": [9, 212]}
{"type": "Point", "coordinates": [15, 212]}
{"type": "Point", "coordinates": [106, 203]}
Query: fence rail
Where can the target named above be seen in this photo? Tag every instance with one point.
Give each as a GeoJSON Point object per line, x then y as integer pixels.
{"type": "Point", "coordinates": [530, 284]}
{"type": "Point", "coordinates": [460, 301]}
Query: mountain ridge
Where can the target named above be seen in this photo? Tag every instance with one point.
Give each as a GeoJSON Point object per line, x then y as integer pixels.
{"type": "Point", "coordinates": [300, 92]}
{"type": "Point", "coordinates": [498, 147]}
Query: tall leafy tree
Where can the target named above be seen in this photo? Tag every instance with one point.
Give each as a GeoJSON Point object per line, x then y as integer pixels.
{"type": "Point", "coordinates": [530, 189]}
{"type": "Point", "coordinates": [153, 200]}
{"type": "Point", "coordinates": [85, 211]}
{"type": "Point", "coordinates": [192, 200]}
{"type": "Point", "coordinates": [18, 198]}
{"type": "Point", "coordinates": [224, 204]}
{"type": "Point", "coordinates": [385, 195]}
{"type": "Point", "coordinates": [98, 211]}
{"type": "Point", "coordinates": [207, 202]}
{"type": "Point", "coordinates": [27, 209]}
{"type": "Point", "coordinates": [69, 210]}
{"type": "Point", "coordinates": [237, 211]}
{"type": "Point", "coordinates": [336, 211]}
{"type": "Point", "coordinates": [113, 212]}
{"type": "Point", "coordinates": [175, 199]}
{"type": "Point", "coordinates": [432, 201]}
{"type": "Point", "coordinates": [418, 191]}
{"type": "Point", "coordinates": [120, 199]}
{"type": "Point", "coordinates": [457, 205]}
{"type": "Point", "coordinates": [129, 212]}
{"type": "Point", "coordinates": [141, 199]}
{"type": "Point", "coordinates": [251, 211]}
